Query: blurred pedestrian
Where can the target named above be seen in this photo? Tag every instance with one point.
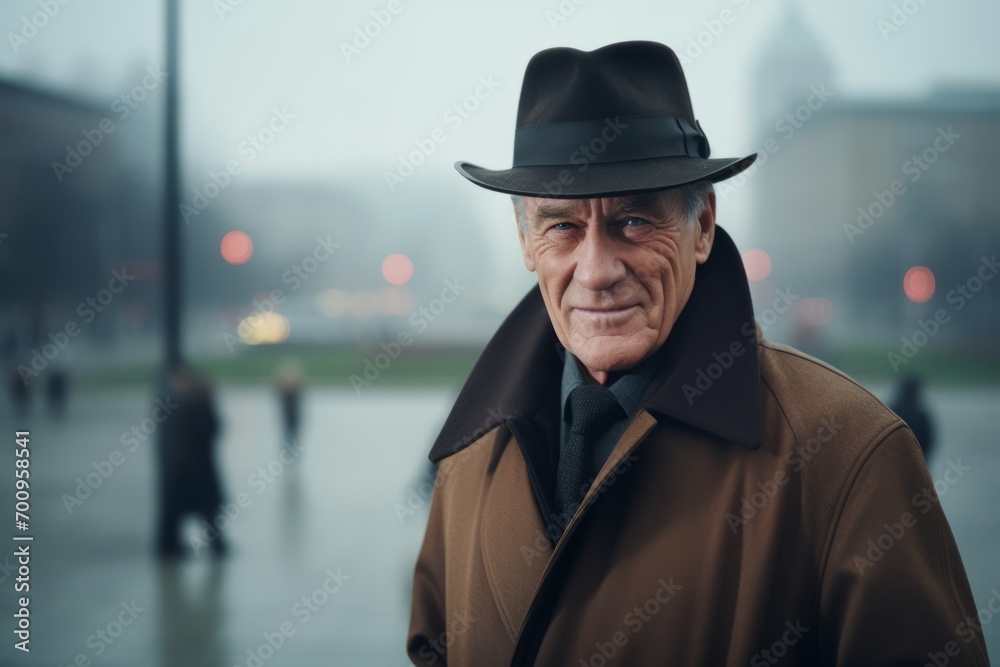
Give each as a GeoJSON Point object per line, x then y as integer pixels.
{"type": "Point", "coordinates": [289, 384]}
{"type": "Point", "coordinates": [20, 394]}
{"type": "Point", "coordinates": [17, 386]}
{"type": "Point", "coordinates": [57, 391]}
{"type": "Point", "coordinates": [188, 476]}
{"type": "Point", "coordinates": [909, 406]}
{"type": "Point", "coordinates": [9, 346]}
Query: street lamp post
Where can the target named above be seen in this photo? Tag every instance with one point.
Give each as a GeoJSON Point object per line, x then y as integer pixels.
{"type": "Point", "coordinates": [173, 353]}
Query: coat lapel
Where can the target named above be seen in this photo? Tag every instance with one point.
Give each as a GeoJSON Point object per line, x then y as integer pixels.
{"type": "Point", "coordinates": [514, 535]}
{"type": "Point", "coordinates": [516, 547]}
{"type": "Point", "coordinates": [619, 461]}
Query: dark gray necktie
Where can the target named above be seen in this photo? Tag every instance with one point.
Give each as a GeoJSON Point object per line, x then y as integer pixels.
{"type": "Point", "coordinates": [592, 409]}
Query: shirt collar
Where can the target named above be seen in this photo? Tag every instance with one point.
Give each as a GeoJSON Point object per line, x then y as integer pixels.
{"type": "Point", "coordinates": [705, 375]}
{"type": "Point", "coordinates": [627, 387]}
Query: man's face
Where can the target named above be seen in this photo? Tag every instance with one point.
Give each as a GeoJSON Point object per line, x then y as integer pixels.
{"type": "Point", "coordinates": [615, 273]}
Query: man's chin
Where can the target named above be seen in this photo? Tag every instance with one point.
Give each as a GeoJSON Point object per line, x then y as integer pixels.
{"type": "Point", "coordinates": [607, 354]}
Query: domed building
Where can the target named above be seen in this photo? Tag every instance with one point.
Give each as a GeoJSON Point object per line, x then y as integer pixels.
{"type": "Point", "coordinates": [854, 192]}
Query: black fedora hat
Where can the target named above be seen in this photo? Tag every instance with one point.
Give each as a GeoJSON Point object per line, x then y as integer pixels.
{"type": "Point", "coordinates": [603, 123]}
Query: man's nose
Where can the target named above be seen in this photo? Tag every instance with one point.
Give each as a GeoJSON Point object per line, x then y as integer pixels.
{"type": "Point", "coordinates": [598, 266]}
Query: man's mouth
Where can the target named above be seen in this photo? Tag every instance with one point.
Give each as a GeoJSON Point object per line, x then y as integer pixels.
{"type": "Point", "coordinates": [607, 314]}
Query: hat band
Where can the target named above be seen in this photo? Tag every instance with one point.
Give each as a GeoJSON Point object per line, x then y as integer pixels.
{"type": "Point", "coordinates": [609, 140]}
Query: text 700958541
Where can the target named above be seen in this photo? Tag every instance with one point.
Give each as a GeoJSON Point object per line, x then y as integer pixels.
{"type": "Point", "coordinates": [22, 554]}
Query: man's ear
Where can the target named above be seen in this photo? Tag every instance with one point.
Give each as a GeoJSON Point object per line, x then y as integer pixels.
{"type": "Point", "coordinates": [529, 261]}
{"type": "Point", "coordinates": [705, 230]}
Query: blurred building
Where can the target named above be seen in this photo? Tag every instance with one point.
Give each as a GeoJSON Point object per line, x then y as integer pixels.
{"type": "Point", "coordinates": [78, 195]}
{"type": "Point", "coordinates": [319, 259]}
{"type": "Point", "coordinates": [852, 193]}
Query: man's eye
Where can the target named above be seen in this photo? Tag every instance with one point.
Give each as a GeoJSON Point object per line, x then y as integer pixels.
{"type": "Point", "coordinates": [563, 226]}
{"type": "Point", "coordinates": [632, 221]}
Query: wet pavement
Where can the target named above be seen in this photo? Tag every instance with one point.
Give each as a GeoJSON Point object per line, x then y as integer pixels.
{"type": "Point", "coordinates": [321, 551]}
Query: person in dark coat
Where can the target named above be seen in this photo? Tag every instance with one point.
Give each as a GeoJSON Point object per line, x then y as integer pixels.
{"type": "Point", "coordinates": [17, 386]}
{"type": "Point", "coordinates": [910, 407]}
{"type": "Point", "coordinates": [20, 394]}
{"type": "Point", "coordinates": [289, 384]}
{"type": "Point", "coordinates": [57, 391]}
{"type": "Point", "coordinates": [188, 476]}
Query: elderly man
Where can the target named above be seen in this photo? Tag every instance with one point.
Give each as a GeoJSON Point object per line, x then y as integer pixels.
{"type": "Point", "coordinates": [631, 474]}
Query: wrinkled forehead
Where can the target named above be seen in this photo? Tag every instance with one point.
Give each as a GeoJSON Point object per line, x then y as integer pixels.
{"type": "Point", "coordinates": [659, 204]}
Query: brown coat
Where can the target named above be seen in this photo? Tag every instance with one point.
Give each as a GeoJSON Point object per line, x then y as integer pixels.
{"type": "Point", "coordinates": [761, 508]}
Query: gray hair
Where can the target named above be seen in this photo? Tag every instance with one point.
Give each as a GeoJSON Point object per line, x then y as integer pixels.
{"type": "Point", "coordinates": [694, 198]}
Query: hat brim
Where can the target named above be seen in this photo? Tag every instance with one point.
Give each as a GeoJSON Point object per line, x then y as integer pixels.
{"type": "Point", "coordinates": [608, 179]}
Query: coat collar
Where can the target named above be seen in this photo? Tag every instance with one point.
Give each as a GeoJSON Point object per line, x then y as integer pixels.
{"type": "Point", "coordinates": [707, 374]}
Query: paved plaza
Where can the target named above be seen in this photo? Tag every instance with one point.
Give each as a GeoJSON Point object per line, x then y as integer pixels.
{"type": "Point", "coordinates": [321, 555]}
